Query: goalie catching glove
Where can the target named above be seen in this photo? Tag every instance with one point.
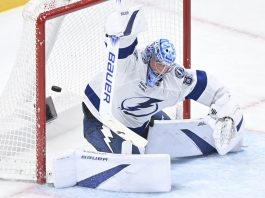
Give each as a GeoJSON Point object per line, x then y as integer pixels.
{"type": "Point", "coordinates": [227, 126]}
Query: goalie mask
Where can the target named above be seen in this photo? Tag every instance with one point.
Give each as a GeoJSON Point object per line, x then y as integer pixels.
{"type": "Point", "coordinates": [160, 57]}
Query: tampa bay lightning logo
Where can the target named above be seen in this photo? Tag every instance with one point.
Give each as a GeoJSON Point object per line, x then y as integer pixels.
{"type": "Point", "coordinates": [140, 106]}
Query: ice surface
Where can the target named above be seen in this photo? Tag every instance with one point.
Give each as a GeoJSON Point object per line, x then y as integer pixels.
{"type": "Point", "coordinates": [235, 175]}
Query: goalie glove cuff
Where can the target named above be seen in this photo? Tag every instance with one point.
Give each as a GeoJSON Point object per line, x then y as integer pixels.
{"type": "Point", "coordinates": [228, 110]}
{"type": "Point", "coordinates": [225, 135]}
{"type": "Point", "coordinates": [227, 126]}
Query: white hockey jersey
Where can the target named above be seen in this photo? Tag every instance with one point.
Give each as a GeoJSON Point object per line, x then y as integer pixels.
{"type": "Point", "coordinates": [134, 102]}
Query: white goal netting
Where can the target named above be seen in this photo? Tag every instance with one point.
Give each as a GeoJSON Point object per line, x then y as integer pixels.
{"type": "Point", "coordinates": [74, 54]}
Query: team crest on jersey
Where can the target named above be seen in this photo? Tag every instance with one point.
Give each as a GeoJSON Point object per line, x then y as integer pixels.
{"type": "Point", "coordinates": [140, 106]}
{"type": "Point", "coordinates": [179, 72]}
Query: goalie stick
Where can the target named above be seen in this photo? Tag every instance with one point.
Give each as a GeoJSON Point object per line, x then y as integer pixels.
{"type": "Point", "coordinates": [105, 110]}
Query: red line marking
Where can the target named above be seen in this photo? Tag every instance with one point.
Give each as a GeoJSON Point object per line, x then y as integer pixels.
{"type": "Point", "coordinates": [253, 104]}
{"type": "Point", "coordinates": [255, 130]}
{"type": "Point", "coordinates": [26, 190]}
{"type": "Point", "coordinates": [32, 190]}
{"type": "Point", "coordinates": [230, 28]}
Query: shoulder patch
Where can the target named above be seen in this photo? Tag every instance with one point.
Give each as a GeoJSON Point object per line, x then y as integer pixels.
{"type": "Point", "coordinates": [188, 79]}
{"type": "Point", "coordinates": [179, 72]}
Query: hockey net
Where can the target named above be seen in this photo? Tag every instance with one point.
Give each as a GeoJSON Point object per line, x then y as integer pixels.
{"type": "Point", "coordinates": [63, 45]}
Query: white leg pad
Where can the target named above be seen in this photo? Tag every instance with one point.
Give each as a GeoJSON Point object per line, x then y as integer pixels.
{"type": "Point", "coordinates": [113, 172]}
{"type": "Point", "coordinates": [64, 170]}
{"type": "Point", "coordinates": [183, 138]}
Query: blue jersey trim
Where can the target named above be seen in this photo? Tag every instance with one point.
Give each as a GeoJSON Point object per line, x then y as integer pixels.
{"type": "Point", "coordinates": [204, 146]}
{"type": "Point", "coordinates": [127, 51]}
{"type": "Point", "coordinates": [128, 29]}
{"type": "Point", "coordinates": [92, 96]}
{"type": "Point", "coordinates": [199, 87]}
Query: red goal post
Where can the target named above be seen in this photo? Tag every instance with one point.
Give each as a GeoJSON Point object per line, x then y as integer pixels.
{"type": "Point", "coordinates": [40, 75]}
{"type": "Point", "coordinates": [37, 70]}
{"type": "Point", "coordinates": [186, 49]}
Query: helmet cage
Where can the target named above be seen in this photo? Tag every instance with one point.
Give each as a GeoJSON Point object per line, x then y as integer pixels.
{"type": "Point", "coordinates": [163, 53]}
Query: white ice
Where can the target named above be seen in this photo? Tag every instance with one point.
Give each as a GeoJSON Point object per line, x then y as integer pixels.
{"type": "Point", "coordinates": [228, 40]}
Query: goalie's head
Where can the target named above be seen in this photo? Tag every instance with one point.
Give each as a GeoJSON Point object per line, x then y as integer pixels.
{"type": "Point", "coordinates": [160, 57]}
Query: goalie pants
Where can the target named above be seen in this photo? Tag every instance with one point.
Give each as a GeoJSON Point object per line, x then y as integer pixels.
{"type": "Point", "coordinates": [98, 135]}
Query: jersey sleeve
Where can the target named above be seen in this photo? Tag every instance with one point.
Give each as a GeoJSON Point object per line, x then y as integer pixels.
{"type": "Point", "coordinates": [203, 88]}
{"type": "Point", "coordinates": [127, 53]}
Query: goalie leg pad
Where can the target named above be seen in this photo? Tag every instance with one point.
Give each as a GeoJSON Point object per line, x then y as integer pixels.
{"type": "Point", "coordinates": [113, 172]}
{"type": "Point", "coordinates": [182, 138]}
